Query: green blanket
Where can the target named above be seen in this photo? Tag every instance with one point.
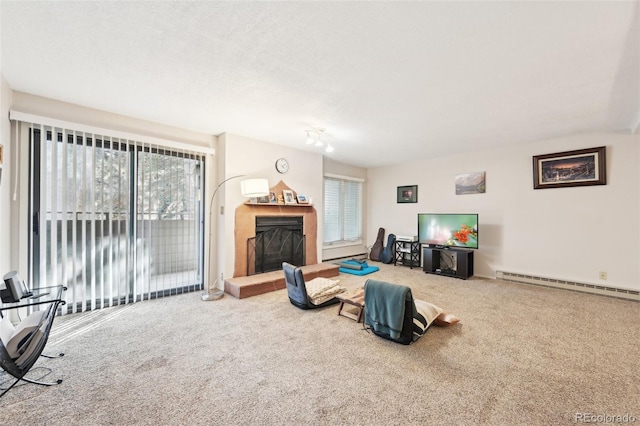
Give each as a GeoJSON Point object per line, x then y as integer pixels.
{"type": "Point", "coordinates": [384, 304]}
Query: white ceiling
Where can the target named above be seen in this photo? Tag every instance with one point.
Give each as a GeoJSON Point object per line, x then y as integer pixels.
{"type": "Point", "coordinates": [390, 81]}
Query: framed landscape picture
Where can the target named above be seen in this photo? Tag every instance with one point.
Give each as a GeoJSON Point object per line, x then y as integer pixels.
{"type": "Point", "coordinates": [470, 183]}
{"type": "Point", "coordinates": [581, 167]}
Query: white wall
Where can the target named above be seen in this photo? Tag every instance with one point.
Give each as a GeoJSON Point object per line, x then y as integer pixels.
{"type": "Point", "coordinates": [566, 233]}
{"type": "Point", "coordinates": [257, 159]}
{"type": "Point", "coordinates": [5, 179]}
{"type": "Point", "coordinates": [59, 110]}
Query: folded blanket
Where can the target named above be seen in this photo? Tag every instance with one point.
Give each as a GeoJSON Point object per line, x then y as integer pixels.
{"type": "Point", "coordinates": [320, 289]}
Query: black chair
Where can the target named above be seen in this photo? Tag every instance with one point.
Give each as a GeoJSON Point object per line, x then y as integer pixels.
{"type": "Point", "coordinates": [297, 290]}
{"type": "Point", "coordinates": [22, 345]}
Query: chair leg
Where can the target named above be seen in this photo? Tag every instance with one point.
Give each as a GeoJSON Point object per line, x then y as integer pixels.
{"type": "Point", "coordinates": [9, 388]}
{"type": "Point", "coordinates": [52, 356]}
{"type": "Point", "coordinates": [35, 382]}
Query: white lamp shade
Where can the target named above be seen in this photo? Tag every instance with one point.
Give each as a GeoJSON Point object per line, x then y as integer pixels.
{"type": "Point", "coordinates": [254, 188]}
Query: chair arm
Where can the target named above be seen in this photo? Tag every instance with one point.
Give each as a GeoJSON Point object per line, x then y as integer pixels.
{"type": "Point", "coordinates": [57, 300]}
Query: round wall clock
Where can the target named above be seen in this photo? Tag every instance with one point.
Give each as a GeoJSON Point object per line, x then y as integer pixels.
{"type": "Point", "coordinates": [282, 165]}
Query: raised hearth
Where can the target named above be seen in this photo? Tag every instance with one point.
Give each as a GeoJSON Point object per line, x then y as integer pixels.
{"type": "Point", "coordinates": [242, 287]}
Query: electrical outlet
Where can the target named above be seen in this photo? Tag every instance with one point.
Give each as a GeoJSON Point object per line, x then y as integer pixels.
{"type": "Point", "coordinates": [602, 275]}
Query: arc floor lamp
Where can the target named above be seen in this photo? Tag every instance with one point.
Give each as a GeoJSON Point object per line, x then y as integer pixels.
{"type": "Point", "coordinates": [249, 188]}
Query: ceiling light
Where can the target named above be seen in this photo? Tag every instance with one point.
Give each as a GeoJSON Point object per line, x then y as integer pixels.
{"type": "Point", "coordinates": [310, 139]}
{"type": "Point", "coordinates": [315, 136]}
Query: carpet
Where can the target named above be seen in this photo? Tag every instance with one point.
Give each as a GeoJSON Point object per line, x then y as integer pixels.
{"type": "Point", "coordinates": [521, 354]}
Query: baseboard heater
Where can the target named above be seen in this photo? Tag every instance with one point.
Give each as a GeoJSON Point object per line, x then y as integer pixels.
{"type": "Point", "coordinates": [569, 285]}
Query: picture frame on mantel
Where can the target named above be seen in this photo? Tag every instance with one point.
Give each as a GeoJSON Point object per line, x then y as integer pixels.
{"type": "Point", "coordinates": [289, 197]}
{"type": "Point", "coordinates": [407, 194]}
{"type": "Point", "coordinates": [581, 167]}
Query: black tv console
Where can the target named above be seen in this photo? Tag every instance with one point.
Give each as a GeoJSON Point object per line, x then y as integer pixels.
{"type": "Point", "coordinates": [451, 262]}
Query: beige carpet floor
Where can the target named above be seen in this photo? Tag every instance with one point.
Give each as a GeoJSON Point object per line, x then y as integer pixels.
{"type": "Point", "coordinates": [521, 355]}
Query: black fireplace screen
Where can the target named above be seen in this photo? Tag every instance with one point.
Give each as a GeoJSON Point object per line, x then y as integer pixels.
{"type": "Point", "coordinates": [278, 239]}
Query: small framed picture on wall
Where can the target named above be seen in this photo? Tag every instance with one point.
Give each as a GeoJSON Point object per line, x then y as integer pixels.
{"type": "Point", "coordinates": [407, 194]}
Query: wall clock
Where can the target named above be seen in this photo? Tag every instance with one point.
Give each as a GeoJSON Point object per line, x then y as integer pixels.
{"type": "Point", "coordinates": [282, 165]}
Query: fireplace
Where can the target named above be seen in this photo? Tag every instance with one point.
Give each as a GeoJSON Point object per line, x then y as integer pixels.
{"type": "Point", "coordinates": [278, 239]}
{"type": "Point", "coordinates": [246, 215]}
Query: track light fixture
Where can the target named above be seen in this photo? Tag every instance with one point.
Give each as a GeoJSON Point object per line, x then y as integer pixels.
{"type": "Point", "coordinates": [316, 137]}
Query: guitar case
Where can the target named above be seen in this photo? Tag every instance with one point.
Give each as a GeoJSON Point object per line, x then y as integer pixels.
{"type": "Point", "coordinates": [376, 249]}
{"type": "Point", "coordinates": [387, 253]}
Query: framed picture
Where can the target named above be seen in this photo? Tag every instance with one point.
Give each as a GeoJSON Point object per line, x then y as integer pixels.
{"type": "Point", "coordinates": [272, 198]}
{"type": "Point", "coordinates": [470, 183]}
{"type": "Point", "coordinates": [302, 199]}
{"type": "Point", "coordinates": [408, 194]}
{"type": "Point", "coordinates": [288, 196]}
{"type": "Point", "coordinates": [263, 200]}
{"type": "Point", "coordinates": [581, 167]}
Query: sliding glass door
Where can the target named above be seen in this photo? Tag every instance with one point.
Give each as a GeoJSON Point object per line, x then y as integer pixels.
{"type": "Point", "coordinates": [114, 220]}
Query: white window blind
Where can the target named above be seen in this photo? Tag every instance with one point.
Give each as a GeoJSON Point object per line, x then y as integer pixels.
{"type": "Point", "coordinates": [342, 211]}
{"type": "Point", "coordinates": [115, 220]}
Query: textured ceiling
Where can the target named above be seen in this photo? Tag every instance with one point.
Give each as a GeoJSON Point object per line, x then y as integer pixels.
{"type": "Point", "coordinates": [390, 81]}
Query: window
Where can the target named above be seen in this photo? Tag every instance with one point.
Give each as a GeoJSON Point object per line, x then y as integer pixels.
{"type": "Point", "coordinates": [342, 211]}
{"type": "Point", "coordinates": [115, 220]}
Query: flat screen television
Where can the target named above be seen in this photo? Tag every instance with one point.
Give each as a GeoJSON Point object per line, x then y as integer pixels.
{"type": "Point", "coordinates": [448, 230]}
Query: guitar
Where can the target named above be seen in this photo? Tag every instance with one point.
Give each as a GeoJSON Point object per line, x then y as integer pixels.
{"type": "Point", "coordinates": [376, 249]}
{"type": "Point", "coordinates": [387, 253]}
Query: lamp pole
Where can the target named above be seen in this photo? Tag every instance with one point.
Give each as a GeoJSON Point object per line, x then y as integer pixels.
{"type": "Point", "coordinates": [218, 294]}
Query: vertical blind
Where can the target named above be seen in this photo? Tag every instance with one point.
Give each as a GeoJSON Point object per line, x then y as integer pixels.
{"type": "Point", "coordinates": [342, 211]}
{"type": "Point", "coordinates": [115, 220]}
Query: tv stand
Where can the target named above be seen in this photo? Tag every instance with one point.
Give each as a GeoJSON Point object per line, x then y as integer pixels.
{"type": "Point", "coordinates": [448, 261]}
